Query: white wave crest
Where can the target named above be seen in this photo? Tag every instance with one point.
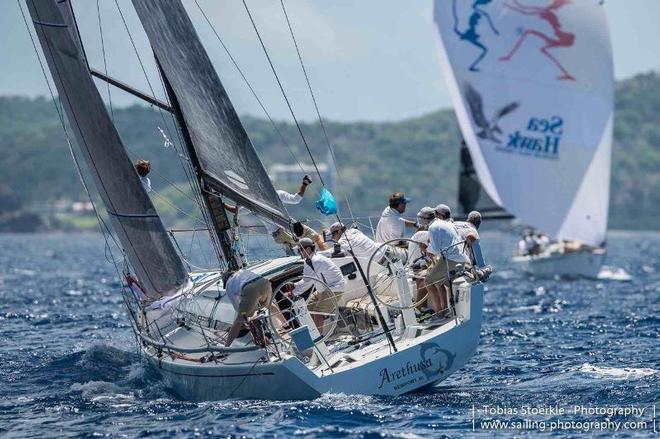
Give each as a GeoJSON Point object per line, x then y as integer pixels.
{"type": "Point", "coordinates": [617, 373]}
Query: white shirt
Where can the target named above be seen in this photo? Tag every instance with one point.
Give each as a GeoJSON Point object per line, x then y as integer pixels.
{"type": "Point", "coordinates": [390, 225]}
{"type": "Point", "coordinates": [146, 183]}
{"type": "Point", "coordinates": [235, 285]}
{"type": "Point", "coordinates": [325, 270]}
{"type": "Point", "coordinates": [444, 236]}
{"type": "Point", "coordinates": [415, 250]}
{"type": "Point", "coordinates": [361, 245]}
{"type": "Point", "coordinates": [285, 197]}
{"type": "Point", "coordinates": [464, 229]}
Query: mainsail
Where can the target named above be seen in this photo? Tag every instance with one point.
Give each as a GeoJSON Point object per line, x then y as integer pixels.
{"type": "Point", "coordinates": [132, 215]}
{"type": "Point", "coordinates": [532, 85]}
{"type": "Point", "coordinates": [471, 194]}
{"type": "Point", "coordinates": [228, 161]}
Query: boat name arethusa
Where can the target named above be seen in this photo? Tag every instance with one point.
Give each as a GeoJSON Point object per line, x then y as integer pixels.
{"type": "Point", "coordinates": [434, 361]}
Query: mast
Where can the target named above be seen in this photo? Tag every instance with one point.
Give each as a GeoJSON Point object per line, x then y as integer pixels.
{"type": "Point", "coordinates": [132, 215]}
{"type": "Point", "coordinates": [226, 162]}
{"type": "Point", "coordinates": [212, 200]}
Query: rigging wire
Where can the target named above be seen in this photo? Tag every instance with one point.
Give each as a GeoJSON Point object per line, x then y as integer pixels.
{"type": "Point", "coordinates": [249, 85]}
{"type": "Point", "coordinates": [112, 113]}
{"type": "Point", "coordinates": [389, 336]}
{"type": "Point", "coordinates": [316, 107]}
{"type": "Point", "coordinates": [286, 98]}
{"type": "Point", "coordinates": [105, 64]}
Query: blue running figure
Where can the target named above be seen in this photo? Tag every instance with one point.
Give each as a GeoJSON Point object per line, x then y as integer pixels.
{"type": "Point", "coordinates": [470, 35]}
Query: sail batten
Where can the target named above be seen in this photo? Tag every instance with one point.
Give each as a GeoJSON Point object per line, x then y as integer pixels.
{"type": "Point", "coordinates": [227, 159]}
{"type": "Point", "coordinates": [532, 85]}
{"type": "Point", "coordinates": [133, 217]}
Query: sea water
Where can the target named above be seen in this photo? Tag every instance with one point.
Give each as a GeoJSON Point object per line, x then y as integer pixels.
{"type": "Point", "coordinates": [558, 357]}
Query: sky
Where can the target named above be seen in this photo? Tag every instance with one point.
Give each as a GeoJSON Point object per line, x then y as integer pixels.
{"type": "Point", "coordinates": [368, 60]}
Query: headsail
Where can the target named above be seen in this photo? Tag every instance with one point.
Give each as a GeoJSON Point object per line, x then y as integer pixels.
{"type": "Point", "coordinates": [228, 160]}
{"type": "Point", "coordinates": [133, 217]}
{"type": "Point", "coordinates": [532, 85]}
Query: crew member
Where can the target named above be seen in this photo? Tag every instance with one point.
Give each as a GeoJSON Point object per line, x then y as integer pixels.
{"type": "Point", "coordinates": [143, 167]}
{"type": "Point", "coordinates": [468, 230]}
{"type": "Point", "coordinates": [247, 292]}
{"type": "Point", "coordinates": [392, 224]}
{"type": "Point", "coordinates": [318, 272]}
{"type": "Point", "coordinates": [279, 234]}
{"type": "Point", "coordinates": [445, 244]}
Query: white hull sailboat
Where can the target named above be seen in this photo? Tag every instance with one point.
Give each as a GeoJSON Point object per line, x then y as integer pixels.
{"type": "Point", "coordinates": [372, 343]}
{"type": "Point", "coordinates": [533, 90]}
{"type": "Point", "coordinates": [582, 263]}
{"type": "Point", "coordinates": [425, 353]}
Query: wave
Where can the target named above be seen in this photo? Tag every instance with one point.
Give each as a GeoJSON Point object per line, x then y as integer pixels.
{"type": "Point", "coordinates": [616, 373]}
{"type": "Point", "coordinates": [614, 273]}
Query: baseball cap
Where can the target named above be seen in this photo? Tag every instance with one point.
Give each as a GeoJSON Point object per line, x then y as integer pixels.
{"type": "Point", "coordinates": [474, 217]}
{"type": "Point", "coordinates": [399, 197]}
{"type": "Point", "coordinates": [336, 227]}
{"type": "Point", "coordinates": [305, 242]}
{"type": "Point", "coordinates": [426, 212]}
{"type": "Point", "coordinates": [443, 210]}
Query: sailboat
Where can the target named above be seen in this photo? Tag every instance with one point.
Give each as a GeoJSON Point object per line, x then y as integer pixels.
{"type": "Point", "coordinates": [372, 343]}
{"type": "Point", "coordinates": [533, 89]}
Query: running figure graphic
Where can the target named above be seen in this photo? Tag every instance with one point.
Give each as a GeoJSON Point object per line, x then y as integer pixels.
{"type": "Point", "coordinates": [561, 39]}
{"type": "Point", "coordinates": [470, 34]}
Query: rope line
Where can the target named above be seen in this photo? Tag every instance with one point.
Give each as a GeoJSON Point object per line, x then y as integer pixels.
{"type": "Point", "coordinates": [251, 88]}
{"type": "Point", "coordinates": [105, 64]}
{"type": "Point", "coordinates": [316, 107]}
{"type": "Point", "coordinates": [286, 98]}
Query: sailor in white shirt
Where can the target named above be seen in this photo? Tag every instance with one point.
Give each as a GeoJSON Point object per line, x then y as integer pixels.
{"type": "Point", "coordinates": [322, 301]}
{"type": "Point", "coordinates": [247, 291]}
{"type": "Point", "coordinates": [353, 240]}
{"type": "Point", "coordinates": [420, 238]}
{"type": "Point", "coordinates": [280, 235]}
{"type": "Point", "coordinates": [468, 230]}
{"type": "Point", "coordinates": [444, 243]}
{"type": "Point", "coordinates": [392, 224]}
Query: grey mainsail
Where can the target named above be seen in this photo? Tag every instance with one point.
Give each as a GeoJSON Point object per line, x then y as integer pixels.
{"type": "Point", "coordinates": [133, 216]}
{"type": "Point", "coordinates": [227, 159]}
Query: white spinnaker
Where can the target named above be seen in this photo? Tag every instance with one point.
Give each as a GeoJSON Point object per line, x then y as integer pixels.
{"type": "Point", "coordinates": [533, 88]}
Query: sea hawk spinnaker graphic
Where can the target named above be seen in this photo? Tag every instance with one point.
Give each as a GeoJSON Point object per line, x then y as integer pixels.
{"type": "Point", "coordinates": [532, 85]}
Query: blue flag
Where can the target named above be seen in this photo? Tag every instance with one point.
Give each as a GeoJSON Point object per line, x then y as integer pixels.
{"type": "Point", "coordinates": [326, 204]}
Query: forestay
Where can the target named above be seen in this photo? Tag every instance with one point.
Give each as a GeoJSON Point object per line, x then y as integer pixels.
{"type": "Point", "coordinates": [227, 158]}
{"type": "Point", "coordinates": [132, 215]}
{"type": "Point", "coordinates": [532, 86]}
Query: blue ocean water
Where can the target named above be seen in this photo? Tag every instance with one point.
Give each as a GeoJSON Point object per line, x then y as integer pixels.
{"type": "Point", "coordinates": [69, 367]}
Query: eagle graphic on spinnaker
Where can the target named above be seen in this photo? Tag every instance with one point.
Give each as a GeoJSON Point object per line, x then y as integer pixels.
{"type": "Point", "coordinates": [489, 127]}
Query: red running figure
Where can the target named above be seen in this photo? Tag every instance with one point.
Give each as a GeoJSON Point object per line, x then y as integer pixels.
{"type": "Point", "coordinates": [561, 39]}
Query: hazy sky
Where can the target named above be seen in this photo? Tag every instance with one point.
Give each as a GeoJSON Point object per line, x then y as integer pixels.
{"type": "Point", "coordinates": [367, 59]}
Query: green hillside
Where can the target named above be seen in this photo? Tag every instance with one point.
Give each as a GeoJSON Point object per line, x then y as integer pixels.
{"type": "Point", "coordinates": [418, 156]}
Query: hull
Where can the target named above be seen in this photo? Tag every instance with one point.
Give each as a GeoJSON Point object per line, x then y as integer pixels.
{"type": "Point", "coordinates": [421, 360]}
{"type": "Point", "coordinates": [586, 264]}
